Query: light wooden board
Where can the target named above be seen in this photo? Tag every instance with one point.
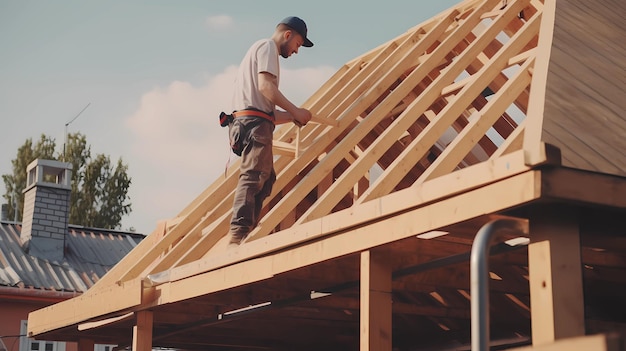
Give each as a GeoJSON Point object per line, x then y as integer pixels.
{"type": "Point", "coordinates": [142, 331]}
{"type": "Point", "coordinates": [582, 103]}
{"type": "Point", "coordinates": [79, 309]}
{"type": "Point", "coordinates": [375, 298]}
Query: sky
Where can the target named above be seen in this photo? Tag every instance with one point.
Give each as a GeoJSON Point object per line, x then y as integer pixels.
{"type": "Point", "coordinates": [151, 76]}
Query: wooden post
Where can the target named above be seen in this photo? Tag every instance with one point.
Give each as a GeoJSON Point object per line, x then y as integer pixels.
{"type": "Point", "coordinates": [375, 301]}
{"type": "Point", "coordinates": [142, 331]}
{"type": "Point", "coordinates": [556, 288]}
{"type": "Point", "coordinates": [85, 344]}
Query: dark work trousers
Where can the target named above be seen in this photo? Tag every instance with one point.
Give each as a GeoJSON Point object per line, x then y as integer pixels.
{"type": "Point", "coordinates": [256, 176]}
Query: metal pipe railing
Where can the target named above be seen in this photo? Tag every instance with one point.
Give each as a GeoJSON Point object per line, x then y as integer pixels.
{"type": "Point", "coordinates": [479, 278]}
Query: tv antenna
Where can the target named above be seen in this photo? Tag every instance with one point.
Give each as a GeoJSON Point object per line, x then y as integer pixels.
{"type": "Point", "coordinates": [67, 124]}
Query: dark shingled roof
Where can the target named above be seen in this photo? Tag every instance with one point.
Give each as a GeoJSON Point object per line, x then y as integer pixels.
{"type": "Point", "coordinates": [89, 254]}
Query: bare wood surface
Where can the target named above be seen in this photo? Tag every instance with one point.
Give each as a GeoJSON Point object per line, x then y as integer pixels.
{"type": "Point", "coordinates": [583, 105]}
{"type": "Point", "coordinates": [142, 331]}
{"type": "Point", "coordinates": [82, 308]}
{"type": "Point", "coordinates": [375, 301]}
{"type": "Point", "coordinates": [556, 288]}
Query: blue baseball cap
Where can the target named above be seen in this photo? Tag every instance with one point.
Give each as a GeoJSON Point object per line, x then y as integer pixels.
{"type": "Point", "coordinates": [297, 24]}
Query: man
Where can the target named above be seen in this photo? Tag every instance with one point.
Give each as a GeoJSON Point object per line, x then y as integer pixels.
{"type": "Point", "coordinates": [255, 99]}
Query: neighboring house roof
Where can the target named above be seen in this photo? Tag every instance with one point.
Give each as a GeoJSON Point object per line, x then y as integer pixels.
{"type": "Point", "coordinates": [89, 254]}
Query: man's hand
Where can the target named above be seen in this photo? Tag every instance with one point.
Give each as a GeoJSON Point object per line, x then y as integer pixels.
{"type": "Point", "coordinates": [301, 116]}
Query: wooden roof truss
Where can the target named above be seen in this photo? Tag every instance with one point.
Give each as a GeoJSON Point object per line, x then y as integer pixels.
{"type": "Point", "coordinates": [406, 138]}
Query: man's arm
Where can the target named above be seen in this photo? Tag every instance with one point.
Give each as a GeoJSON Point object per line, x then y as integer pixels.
{"type": "Point", "coordinates": [269, 88]}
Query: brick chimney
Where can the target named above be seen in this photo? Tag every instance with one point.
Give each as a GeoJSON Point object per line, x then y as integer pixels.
{"type": "Point", "coordinates": [46, 208]}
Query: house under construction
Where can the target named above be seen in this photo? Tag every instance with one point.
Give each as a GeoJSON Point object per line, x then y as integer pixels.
{"type": "Point", "coordinates": [463, 185]}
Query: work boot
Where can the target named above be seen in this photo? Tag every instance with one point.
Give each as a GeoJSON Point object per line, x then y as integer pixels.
{"type": "Point", "coordinates": [236, 238]}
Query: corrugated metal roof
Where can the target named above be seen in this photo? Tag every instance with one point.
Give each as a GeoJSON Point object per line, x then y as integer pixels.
{"type": "Point", "coordinates": [89, 254]}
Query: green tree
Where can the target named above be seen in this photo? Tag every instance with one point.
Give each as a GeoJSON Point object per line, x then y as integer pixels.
{"type": "Point", "coordinates": [99, 189]}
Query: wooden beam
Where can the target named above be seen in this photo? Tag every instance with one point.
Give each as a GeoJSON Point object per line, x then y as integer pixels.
{"type": "Point", "coordinates": [285, 149]}
{"type": "Point", "coordinates": [513, 143]}
{"type": "Point", "coordinates": [555, 276]}
{"type": "Point", "coordinates": [79, 309]}
{"type": "Point", "coordinates": [104, 322]}
{"type": "Point", "coordinates": [521, 58]}
{"type": "Point", "coordinates": [375, 311]}
{"type": "Point", "coordinates": [142, 331]}
{"type": "Point", "coordinates": [324, 121]}
{"type": "Point", "coordinates": [534, 126]}
{"type": "Point", "coordinates": [145, 246]}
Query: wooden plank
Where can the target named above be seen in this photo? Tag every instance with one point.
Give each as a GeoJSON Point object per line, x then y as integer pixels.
{"type": "Point", "coordinates": [521, 58]}
{"type": "Point", "coordinates": [285, 149]}
{"type": "Point", "coordinates": [105, 322]}
{"type": "Point", "coordinates": [512, 143]}
{"type": "Point", "coordinates": [507, 193]}
{"type": "Point", "coordinates": [422, 143]}
{"type": "Point", "coordinates": [555, 276]}
{"type": "Point", "coordinates": [338, 94]}
{"type": "Point", "coordinates": [216, 230]}
{"type": "Point", "coordinates": [456, 86]}
{"type": "Point", "coordinates": [145, 246]}
{"type": "Point", "coordinates": [142, 331]}
{"type": "Point", "coordinates": [79, 309]}
{"type": "Point", "coordinates": [218, 280]}
{"type": "Point", "coordinates": [324, 121]}
{"type": "Point", "coordinates": [375, 302]}
{"type": "Point", "coordinates": [536, 103]}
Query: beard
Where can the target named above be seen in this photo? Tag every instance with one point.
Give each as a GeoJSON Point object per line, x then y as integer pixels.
{"type": "Point", "coordinates": [284, 50]}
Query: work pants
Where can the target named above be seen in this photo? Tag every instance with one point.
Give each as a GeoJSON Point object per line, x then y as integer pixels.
{"type": "Point", "coordinates": [256, 176]}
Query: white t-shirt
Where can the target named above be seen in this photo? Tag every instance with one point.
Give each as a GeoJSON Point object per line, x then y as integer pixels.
{"type": "Point", "coordinates": [261, 57]}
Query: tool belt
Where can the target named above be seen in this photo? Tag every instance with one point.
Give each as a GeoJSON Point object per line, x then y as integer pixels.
{"type": "Point", "coordinates": [226, 119]}
{"type": "Point", "coordinates": [236, 130]}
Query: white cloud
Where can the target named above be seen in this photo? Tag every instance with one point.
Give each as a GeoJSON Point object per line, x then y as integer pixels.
{"type": "Point", "coordinates": [219, 22]}
{"type": "Point", "coordinates": [178, 146]}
